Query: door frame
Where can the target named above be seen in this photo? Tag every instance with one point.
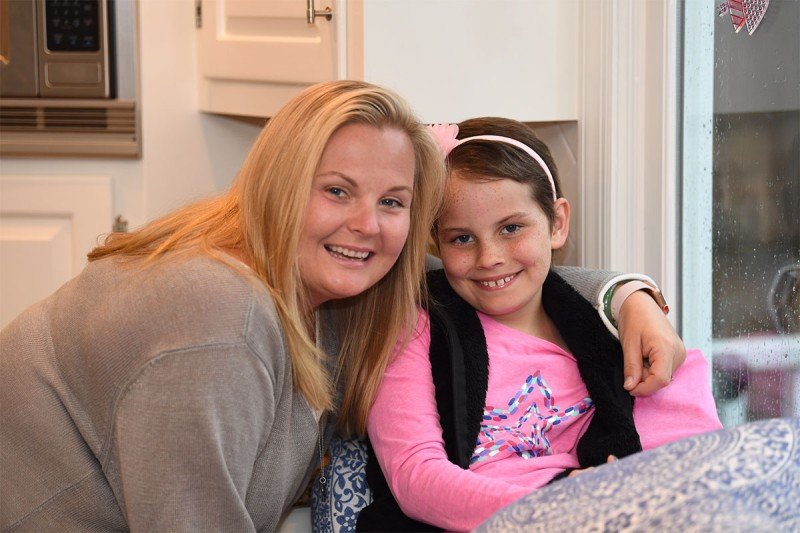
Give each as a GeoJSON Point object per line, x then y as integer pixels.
{"type": "Point", "coordinates": [627, 107]}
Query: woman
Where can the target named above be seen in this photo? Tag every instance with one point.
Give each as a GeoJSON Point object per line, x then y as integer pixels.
{"type": "Point", "coordinates": [181, 381]}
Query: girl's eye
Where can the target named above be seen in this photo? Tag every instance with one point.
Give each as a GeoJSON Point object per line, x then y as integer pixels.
{"type": "Point", "coordinates": [510, 228]}
{"type": "Point", "coordinates": [391, 202]}
{"type": "Point", "coordinates": [462, 239]}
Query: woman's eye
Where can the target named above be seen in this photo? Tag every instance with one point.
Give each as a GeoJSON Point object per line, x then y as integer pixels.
{"type": "Point", "coordinates": [510, 228]}
{"type": "Point", "coordinates": [391, 202]}
{"type": "Point", "coordinates": [335, 191]}
{"type": "Point", "coordinates": [462, 239]}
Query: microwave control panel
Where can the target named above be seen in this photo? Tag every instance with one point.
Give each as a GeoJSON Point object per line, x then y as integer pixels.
{"type": "Point", "coordinates": [72, 25]}
{"type": "Point", "coordinates": [74, 48]}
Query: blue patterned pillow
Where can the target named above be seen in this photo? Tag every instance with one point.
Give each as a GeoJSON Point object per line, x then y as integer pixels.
{"type": "Point", "coordinates": [336, 509]}
{"type": "Point", "coordinates": [745, 478]}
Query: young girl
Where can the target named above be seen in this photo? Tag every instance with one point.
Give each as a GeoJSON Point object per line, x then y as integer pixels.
{"type": "Point", "coordinates": [510, 380]}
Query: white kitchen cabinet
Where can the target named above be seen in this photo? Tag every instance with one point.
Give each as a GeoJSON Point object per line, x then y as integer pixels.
{"type": "Point", "coordinates": [254, 55]}
{"type": "Point", "coordinates": [451, 59]}
{"type": "Point", "coordinates": [47, 225]}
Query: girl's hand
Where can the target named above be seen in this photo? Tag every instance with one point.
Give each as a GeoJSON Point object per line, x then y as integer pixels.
{"type": "Point", "coordinates": [646, 334]}
{"type": "Point", "coordinates": [611, 459]}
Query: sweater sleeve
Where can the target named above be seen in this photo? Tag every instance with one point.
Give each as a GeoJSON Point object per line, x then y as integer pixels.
{"type": "Point", "coordinates": [186, 434]}
{"type": "Point", "coordinates": [595, 285]}
{"type": "Point", "coordinates": [591, 284]}
{"type": "Point", "coordinates": [405, 433]}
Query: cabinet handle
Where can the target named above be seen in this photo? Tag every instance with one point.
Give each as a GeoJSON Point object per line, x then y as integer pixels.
{"type": "Point", "coordinates": [120, 225]}
{"type": "Point", "coordinates": [312, 13]}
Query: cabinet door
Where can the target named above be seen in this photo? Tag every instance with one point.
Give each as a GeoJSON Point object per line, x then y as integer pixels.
{"type": "Point", "coordinates": [47, 225]}
{"type": "Point", "coordinates": [256, 54]}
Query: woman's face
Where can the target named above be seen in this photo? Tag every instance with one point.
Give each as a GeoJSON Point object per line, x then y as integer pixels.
{"type": "Point", "coordinates": [358, 213]}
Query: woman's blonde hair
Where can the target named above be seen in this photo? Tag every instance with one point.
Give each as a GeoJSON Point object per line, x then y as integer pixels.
{"type": "Point", "coordinates": [263, 214]}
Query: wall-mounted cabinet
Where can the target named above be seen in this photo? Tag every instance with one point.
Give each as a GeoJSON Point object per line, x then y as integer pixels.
{"type": "Point", "coordinates": [450, 59]}
{"type": "Point", "coordinates": [255, 55]}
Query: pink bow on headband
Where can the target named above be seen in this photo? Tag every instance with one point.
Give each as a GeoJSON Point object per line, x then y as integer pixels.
{"type": "Point", "coordinates": [445, 136]}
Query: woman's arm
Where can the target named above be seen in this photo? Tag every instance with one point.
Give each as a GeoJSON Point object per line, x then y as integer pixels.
{"type": "Point", "coordinates": [646, 334]}
{"type": "Point", "coordinates": [644, 331]}
{"type": "Point", "coordinates": [186, 435]}
{"type": "Point", "coordinates": [405, 433]}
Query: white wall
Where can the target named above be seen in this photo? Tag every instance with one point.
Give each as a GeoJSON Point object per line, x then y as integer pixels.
{"type": "Point", "coordinates": [185, 154]}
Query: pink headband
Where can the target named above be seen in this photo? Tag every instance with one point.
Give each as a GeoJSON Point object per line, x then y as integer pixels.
{"type": "Point", "coordinates": [445, 135]}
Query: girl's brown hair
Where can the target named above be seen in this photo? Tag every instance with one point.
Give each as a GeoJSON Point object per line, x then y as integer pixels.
{"type": "Point", "coordinates": [486, 159]}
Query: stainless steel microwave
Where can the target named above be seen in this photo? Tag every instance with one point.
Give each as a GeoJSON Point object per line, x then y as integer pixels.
{"type": "Point", "coordinates": [57, 49]}
{"type": "Point", "coordinates": [69, 78]}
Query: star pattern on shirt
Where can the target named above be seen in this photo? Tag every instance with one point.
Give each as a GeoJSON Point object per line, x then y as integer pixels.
{"type": "Point", "coordinates": [523, 425]}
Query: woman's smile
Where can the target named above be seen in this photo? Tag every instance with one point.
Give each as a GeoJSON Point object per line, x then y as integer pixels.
{"type": "Point", "coordinates": [348, 254]}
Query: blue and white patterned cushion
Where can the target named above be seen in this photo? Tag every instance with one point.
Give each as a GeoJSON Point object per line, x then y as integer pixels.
{"type": "Point", "coordinates": [336, 509]}
{"type": "Point", "coordinates": [745, 478]}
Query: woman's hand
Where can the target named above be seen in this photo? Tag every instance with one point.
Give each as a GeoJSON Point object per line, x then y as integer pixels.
{"type": "Point", "coordinates": [646, 334]}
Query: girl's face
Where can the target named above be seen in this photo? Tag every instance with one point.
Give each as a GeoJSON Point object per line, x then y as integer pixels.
{"type": "Point", "coordinates": [358, 213]}
{"type": "Point", "coordinates": [496, 244]}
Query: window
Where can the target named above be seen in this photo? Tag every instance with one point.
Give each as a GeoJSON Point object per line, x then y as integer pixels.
{"type": "Point", "coordinates": [740, 161]}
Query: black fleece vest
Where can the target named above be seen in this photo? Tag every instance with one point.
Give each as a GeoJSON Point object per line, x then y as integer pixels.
{"type": "Point", "coordinates": [460, 371]}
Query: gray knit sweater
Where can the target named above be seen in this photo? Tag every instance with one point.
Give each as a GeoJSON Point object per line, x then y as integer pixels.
{"type": "Point", "coordinates": [155, 400]}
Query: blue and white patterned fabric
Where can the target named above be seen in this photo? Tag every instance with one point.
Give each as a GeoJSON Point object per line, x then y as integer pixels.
{"type": "Point", "coordinates": [745, 478]}
{"type": "Point", "coordinates": [336, 510]}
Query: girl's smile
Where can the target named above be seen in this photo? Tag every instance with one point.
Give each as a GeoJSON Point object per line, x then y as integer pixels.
{"type": "Point", "coordinates": [496, 283]}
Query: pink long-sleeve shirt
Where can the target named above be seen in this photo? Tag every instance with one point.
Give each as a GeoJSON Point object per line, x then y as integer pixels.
{"type": "Point", "coordinates": [537, 407]}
